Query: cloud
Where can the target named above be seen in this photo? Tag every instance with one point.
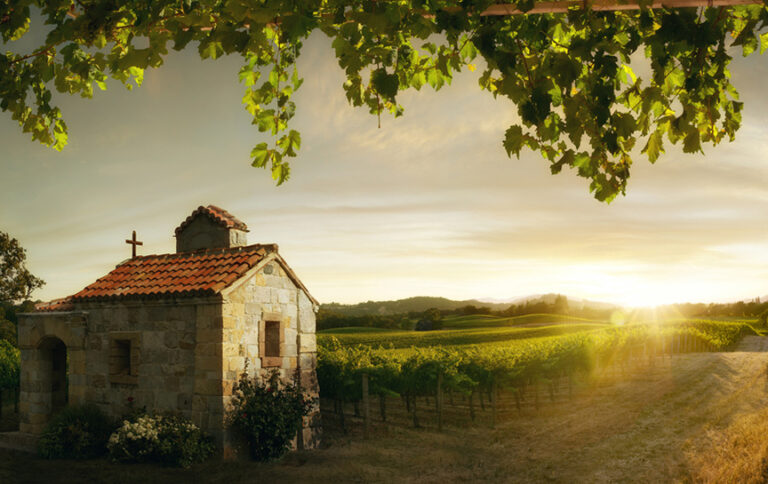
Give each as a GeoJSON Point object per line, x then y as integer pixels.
{"type": "Point", "coordinates": [428, 204]}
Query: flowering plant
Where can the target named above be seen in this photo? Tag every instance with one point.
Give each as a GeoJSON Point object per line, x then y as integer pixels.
{"type": "Point", "coordinates": [168, 439]}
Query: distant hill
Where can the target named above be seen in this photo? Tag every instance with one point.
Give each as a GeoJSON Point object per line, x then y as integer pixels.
{"type": "Point", "coordinates": [400, 306]}
{"type": "Point", "coordinates": [549, 298]}
{"type": "Point", "coordinates": [422, 303]}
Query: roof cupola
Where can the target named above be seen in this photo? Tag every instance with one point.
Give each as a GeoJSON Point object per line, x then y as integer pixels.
{"type": "Point", "coordinates": [210, 227]}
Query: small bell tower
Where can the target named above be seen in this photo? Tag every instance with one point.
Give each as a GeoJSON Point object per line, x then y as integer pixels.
{"type": "Point", "coordinates": [210, 227]}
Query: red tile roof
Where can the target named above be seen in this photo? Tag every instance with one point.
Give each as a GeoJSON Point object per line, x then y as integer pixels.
{"type": "Point", "coordinates": [198, 273]}
{"type": "Point", "coordinates": [218, 215]}
{"type": "Point", "coordinates": [62, 304]}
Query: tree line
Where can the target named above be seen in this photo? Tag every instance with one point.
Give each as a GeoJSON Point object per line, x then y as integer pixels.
{"type": "Point", "coordinates": [330, 316]}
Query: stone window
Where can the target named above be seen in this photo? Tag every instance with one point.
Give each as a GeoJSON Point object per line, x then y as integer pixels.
{"type": "Point", "coordinates": [124, 358]}
{"type": "Point", "coordinates": [271, 340]}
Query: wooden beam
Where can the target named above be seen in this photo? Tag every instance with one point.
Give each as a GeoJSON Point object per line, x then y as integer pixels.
{"type": "Point", "coordinates": [562, 6]}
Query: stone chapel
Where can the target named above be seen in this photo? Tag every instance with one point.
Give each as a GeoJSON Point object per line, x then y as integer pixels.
{"type": "Point", "coordinates": [173, 332]}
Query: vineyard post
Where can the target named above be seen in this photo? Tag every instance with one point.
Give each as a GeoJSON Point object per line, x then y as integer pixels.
{"type": "Point", "coordinates": [383, 407]}
{"type": "Point", "coordinates": [494, 398]}
{"type": "Point", "coordinates": [670, 346]}
{"type": "Point", "coordinates": [439, 398]}
{"type": "Point", "coordinates": [366, 407]}
{"type": "Point", "coordinates": [413, 409]}
{"type": "Point", "coordinates": [1, 402]}
{"type": "Point", "coordinates": [16, 400]}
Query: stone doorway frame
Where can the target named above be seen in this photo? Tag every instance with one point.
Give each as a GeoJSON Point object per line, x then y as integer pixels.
{"type": "Point", "coordinates": [38, 336]}
{"type": "Point", "coordinates": [52, 374]}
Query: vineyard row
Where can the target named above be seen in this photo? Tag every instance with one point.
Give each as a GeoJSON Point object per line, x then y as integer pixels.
{"type": "Point", "coordinates": [352, 374]}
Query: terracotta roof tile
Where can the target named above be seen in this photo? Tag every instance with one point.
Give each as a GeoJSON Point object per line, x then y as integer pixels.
{"type": "Point", "coordinates": [218, 215]}
{"type": "Point", "coordinates": [62, 304]}
{"type": "Point", "coordinates": [195, 273]}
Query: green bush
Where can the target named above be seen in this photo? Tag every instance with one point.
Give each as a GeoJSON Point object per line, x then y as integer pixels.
{"type": "Point", "coordinates": [167, 439]}
{"type": "Point", "coordinates": [762, 319]}
{"type": "Point", "coordinates": [9, 365]}
{"type": "Point", "coordinates": [268, 414]}
{"type": "Point", "coordinates": [77, 432]}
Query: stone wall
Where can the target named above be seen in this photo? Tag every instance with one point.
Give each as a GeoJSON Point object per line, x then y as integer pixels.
{"type": "Point", "coordinates": [270, 295]}
{"type": "Point", "coordinates": [203, 233]}
{"type": "Point", "coordinates": [36, 336]}
{"type": "Point", "coordinates": [176, 367]}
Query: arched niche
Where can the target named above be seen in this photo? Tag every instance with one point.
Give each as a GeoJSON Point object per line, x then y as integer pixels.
{"type": "Point", "coordinates": [52, 365]}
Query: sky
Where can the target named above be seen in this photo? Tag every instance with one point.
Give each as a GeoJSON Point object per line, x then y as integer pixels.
{"type": "Point", "coordinates": [429, 204]}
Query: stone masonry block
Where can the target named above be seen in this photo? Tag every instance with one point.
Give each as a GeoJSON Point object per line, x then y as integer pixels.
{"type": "Point", "coordinates": [307, 342]}
{"type": "Point", "coordinates": [207, 362]}
{"type": "Point", "coordinates": [253, 309]}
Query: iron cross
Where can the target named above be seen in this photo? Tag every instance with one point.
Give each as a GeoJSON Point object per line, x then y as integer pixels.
{"type": "Point", "coordinates": [134, 243]}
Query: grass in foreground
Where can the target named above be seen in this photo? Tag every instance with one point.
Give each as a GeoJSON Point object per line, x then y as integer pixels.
{"type": "Point", "coordinates": [738, 454]}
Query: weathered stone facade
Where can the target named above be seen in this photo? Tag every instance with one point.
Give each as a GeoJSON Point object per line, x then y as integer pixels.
{"type": "Point", "coordinates": [175, 353]}
{"type": "Point", "coordinates": [269, 294]}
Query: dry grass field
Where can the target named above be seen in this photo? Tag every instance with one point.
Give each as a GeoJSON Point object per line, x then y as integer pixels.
{"type": "Point", "coordinates": [697, 417]}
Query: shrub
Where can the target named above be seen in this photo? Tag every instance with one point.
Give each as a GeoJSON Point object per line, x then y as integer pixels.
{"type": "Point", "coordinates": [763, 319]}
{"type": "Point", "coordinates": [9, 365]}
{"type": "Point", "coordinates": [267, 414]}
{"type": "Point", "coordinates": [77, 432]}
{"type": "Point", "coordinates": [167, 439]}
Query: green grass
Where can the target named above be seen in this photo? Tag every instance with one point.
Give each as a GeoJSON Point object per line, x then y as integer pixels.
{"type": "Point", "coordinates": [356, 330]}
{"type": "Point", "coordinates": [455, 337]}
{"type": "Point", "coordinates": [487, 321]}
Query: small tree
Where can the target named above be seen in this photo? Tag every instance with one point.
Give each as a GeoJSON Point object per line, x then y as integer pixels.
{"type": "Point", "coordinates": [432, 319]}
{"type": "Point", "coordinates": [16, 282]}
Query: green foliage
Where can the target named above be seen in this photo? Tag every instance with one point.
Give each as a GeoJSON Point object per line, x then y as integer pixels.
{"type": "Point", "coordinates": [457, 336]}
{"type": "Point", "coordinates": [431, 320]}
{"type": "Point", "coordinates": [77, 432]}
{"type": "Point", "coordinates": [508, 364]}
{"type": "Point", "coordinates": [579, 102]}
{"type": "Point", "coordinates": [169, 439]}
{"type": "Point", "coordinates": [7, 330]}
{"type": "Point", "coordinates": [10, 360]}
{"type": "Point", "coordinates": [268, 414]}
{"type": "Point", "coordinates": [762, 319]}
{"type": "Point", "coordinates": [16, 282]}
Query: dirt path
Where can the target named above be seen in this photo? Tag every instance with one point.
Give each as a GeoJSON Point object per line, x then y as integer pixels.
{"type": "Point", "coordinates": [640, 427]}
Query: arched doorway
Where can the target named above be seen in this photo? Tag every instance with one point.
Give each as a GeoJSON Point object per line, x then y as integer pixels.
{"type": "Point", "coordinates": [53, 373]}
